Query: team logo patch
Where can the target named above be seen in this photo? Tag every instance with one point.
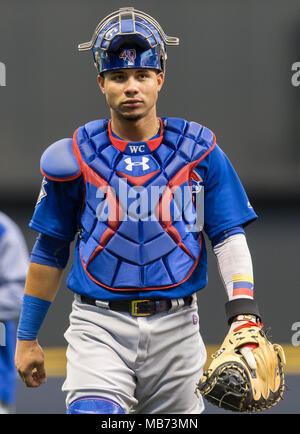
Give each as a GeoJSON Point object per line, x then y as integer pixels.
{"type": "Point", "coordinates": [129, 56]}
{"type": "Point", "coordinates": [42, 193]}
{"type": "Point", "coordinates": [195, 319]}
{"type": "Point", "coordinates": [196, 181]}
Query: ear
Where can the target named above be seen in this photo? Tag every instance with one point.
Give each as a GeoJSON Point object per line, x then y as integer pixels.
{"type": "Point", "coordinates": [100, 80]}
{"type": "Point", "coordinates": [160, 80]}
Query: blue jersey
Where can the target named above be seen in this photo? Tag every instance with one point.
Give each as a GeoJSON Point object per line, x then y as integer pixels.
{"type": "Point", "coordinates": [14, 263]}
{"type": "Point", "coordinates": [58, 214]}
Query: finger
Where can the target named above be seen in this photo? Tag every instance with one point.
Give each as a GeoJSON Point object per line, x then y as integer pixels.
{"type": "Point", "coordinates": [38, 381]}
{"type": "Point", "coordinates": [21, 376]}
{"type": "Point", "coordinates": [249, 357]}
{"type": "Point", "coordinates": [29, 379]}
{"type": "Point", "coordinates": [39, 374]}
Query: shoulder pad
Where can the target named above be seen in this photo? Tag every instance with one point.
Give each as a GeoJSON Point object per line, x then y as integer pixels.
{"type": "Point", "coordinates": [177, 125]}
{"type": "Point", "coordinates": [95, 127]}
{"type": "Point", "coordinates": [208, 136]}
{"type": "Point", "coordinates": [59, 163]}
{"type": "Point", "coordinates": [192, 130]}
{"type": "Point", "coordinates": [200, 134]}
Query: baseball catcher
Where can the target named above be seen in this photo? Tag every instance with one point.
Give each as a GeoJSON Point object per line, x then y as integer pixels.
{"type": "Point", "coordinates": [246, 373]}
{"type": "Point", "coordinates": [128, 188]}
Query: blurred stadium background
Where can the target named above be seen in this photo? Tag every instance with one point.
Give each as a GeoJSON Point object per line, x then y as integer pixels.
{"type": "Point", "coordinates": [232, 72]}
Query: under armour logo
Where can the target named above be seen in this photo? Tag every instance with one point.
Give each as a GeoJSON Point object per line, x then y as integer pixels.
{"type": "Point", "coordinates": [131, 163]}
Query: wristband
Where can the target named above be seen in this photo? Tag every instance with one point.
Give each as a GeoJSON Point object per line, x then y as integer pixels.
{"type": "Point", "coordinates": [33, 313]}
{"type": "Point", "coordinates": [240, 306]}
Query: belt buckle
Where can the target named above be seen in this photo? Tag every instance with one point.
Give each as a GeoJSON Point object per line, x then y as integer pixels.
{"type": "Point", "coordinates": [134, 308]}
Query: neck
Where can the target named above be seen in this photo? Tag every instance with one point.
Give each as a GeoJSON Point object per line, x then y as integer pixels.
{"type": "Point", "coordinates": [135, 130]}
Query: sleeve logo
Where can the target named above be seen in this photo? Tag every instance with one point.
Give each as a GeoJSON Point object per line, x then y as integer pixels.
{"type": "Point", "coordinates": [42, 193]}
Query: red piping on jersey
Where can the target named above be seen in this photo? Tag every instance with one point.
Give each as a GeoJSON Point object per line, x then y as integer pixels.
{"type": "Point", "coordinates": [70, 178]}
{"type": "Point", "coordinates": [182, 176]}
{"type": "Point", "coordinates": [118, 143]}
{"type": "Point", "coordinates": [121, 144]}
{"type": "Point", "coordinates": [143, 289]}
{"type": "Point", "coordinates": [76, 149]}
{"type": "Point", "coordinates": [162, 211]}
{"type": "Point", "coordinates": [115, 210]}
{"type": "Point", "coordinates": [96, 180]}
{"type": "Point", "coordinates": [79, 160]}
{"type": "Point", "coordinates": [137, 180]}
{"type": "Point", "coordinates": [116, 213]}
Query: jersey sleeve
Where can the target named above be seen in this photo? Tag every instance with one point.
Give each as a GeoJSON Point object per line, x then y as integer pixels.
{"type": "Point", "coordinates": [226, 204]}
{"type": "Point", "coordinates": [50, 251]}
{"type": "Point", "coordinates": [58, 208]}
{"type": "Point", "coordinates": [13, 268]}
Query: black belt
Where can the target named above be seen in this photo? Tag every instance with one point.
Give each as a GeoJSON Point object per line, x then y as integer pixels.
{"type": "Point", "coordinates": [137, 307]}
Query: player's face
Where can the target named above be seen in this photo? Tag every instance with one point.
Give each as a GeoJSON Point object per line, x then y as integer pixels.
{"type": "Point", "coordinates": [131, 93]}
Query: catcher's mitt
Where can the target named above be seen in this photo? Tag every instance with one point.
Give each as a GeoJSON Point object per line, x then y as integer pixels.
{"type": "Point", "coordinates": [250, 382]}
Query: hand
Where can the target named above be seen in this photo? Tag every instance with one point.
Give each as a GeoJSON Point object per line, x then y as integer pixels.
{"type": "Point", "coordinates": [29, 361]}
{"type": "Point", "coordinates": [247, 372]}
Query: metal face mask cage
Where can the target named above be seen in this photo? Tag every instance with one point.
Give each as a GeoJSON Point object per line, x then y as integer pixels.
{"type": "Point", "coordinates": [128, 22]}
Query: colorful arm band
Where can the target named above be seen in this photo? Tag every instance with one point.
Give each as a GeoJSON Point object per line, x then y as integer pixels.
{"type": "Point", "coordinates": [33, 313]}
{"type": "Point", "coordinates": [235, 266]}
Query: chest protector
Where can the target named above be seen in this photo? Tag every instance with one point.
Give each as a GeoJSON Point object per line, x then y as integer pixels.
{"type": "Point", "coordinates": [139, 209]}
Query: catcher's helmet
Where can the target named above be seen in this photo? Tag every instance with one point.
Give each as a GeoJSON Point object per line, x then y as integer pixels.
{"type": "Point", "coordinates": [129, 38]}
